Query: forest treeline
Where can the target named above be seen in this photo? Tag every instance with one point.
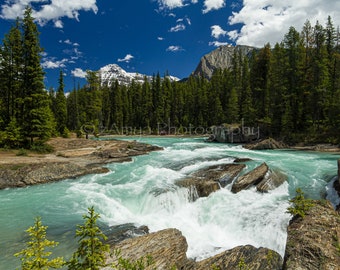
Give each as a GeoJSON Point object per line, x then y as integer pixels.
{"type": "Point", "coordinates": [290, 90]}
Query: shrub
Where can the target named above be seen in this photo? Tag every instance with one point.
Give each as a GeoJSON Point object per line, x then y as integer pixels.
{"type": "Point", "coordinates": [91, 250]}
{"type": "Point", "coordinates": [34, 255]}
{"type": "Point", "coordinates": [41, 147]}
{"type": "Point", "coordinates": [22, 152]}
{"type": "Point", "coordinates": [300, 205]}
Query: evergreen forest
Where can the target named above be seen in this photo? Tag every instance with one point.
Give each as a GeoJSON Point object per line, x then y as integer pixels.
{"type": "Point", "coordinates": [290, 90]}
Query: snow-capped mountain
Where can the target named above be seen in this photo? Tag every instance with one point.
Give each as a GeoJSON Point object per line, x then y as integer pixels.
{"type": "Point", "coordinates": [109, 73]}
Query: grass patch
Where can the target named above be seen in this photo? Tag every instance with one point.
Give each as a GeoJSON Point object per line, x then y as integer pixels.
{"type": "Point", "coordinates": [12, 167]}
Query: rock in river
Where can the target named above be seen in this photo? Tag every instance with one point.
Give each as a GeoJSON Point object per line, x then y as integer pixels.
{"type": "Point", "coordinates": [210, 179]}
{"type": "Point", "coordinates": [264, 178]}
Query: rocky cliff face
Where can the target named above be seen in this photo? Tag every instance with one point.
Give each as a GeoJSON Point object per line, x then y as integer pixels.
{"type": "Point", "coordinates": [220, 58]}
{"type": "Point", "coordinates": [314, 241]}
{"type": "Point", "coordinates": [167, 249]}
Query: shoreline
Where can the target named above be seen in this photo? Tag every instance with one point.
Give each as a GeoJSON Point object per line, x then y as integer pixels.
{"type": "Point", "coordinates": [72, 158]}
{"type": "Point", "coordinates": [75, 157]}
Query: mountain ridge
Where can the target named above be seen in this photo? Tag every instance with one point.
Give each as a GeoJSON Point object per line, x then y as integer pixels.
{"type": "Point", "coordinates": [111, 72]}
{"type": "Point", "coordinates": [221, 57]}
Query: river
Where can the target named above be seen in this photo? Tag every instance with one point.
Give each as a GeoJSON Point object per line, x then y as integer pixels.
{"type": "Point", "coordinates": [143, 192]}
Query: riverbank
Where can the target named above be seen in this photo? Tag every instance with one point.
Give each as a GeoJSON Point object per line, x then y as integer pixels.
{"type": "Point", "coordinates": [72, 157]}
{"type": "Point", "coordinates": [75, 157]}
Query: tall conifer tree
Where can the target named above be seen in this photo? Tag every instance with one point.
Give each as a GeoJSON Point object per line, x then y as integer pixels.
{"type": "Point", "coordinates": [61, 108]}
{"type": "Point", "coordinates": [36, 116]}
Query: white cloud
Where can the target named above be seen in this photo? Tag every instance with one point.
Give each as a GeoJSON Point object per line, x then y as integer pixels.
{"type": "Point", "coordinates": [174, 49]}
{"type": "Point", "coordinates": [170, 4]}
{"type": "Point", "coordinates": [49, 10]}
{"type": "Point", "coordinates": [58, 24]}
{"type": "Point", "coordinates": [178, 27]}
{"type": "Point", "coordinates": [218, 44]}
{"type": "Point", "coordinates": [126, 59]}
{"type": "Point", "coordinates": [67, 41]}
{"type": "Point", "coordinates": [79, 73]}
{"type": "Point", "coordinates": [217, 31]}
{"type": "Point", "coordinates": [269, 20]}
{"type": "Point", "coordinates": [53, 64]}
{"type": "Point", "coordinates": [160, 38]}
{"type": "Point", "coordinates": [210, 5]}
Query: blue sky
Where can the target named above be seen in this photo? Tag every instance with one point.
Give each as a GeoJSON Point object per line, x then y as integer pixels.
{"type": "Point", "coordinates": [150, 36]}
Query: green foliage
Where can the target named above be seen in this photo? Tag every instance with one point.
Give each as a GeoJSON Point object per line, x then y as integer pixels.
{"type": "Point", "coordinates": [25, 106]}
{"type": "Point", "coordinates": [35, 255]}
{"type": "Point", "coordinates": [12, 136]}
{"type": "Point", "coordinates": [214, 267]}
{"type": "Point", "coordinates": [300, 205]}
{"type": "Point", "coordinates": [242, 265]}
{"type": "Point", "coordinates": [91, 250]}
{"type": "Point", "coordinates": [22, 152]}
{"type": "Point", "coordinates": [41, 147]}
{"type": "Point", "coordinates": [126, 264]}
{"type": "Point", "coordinates": [336, 243]}
{"type": "Point", "coordinates": [60, 108]}
{"type": "Point", "coordinates": [290, 90]}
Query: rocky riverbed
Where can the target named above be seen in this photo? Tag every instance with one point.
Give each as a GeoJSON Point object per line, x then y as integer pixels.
{"type": "Point", "coordinates": [71, 158]}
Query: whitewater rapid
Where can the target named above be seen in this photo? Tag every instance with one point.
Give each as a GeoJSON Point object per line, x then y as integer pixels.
{"type": "Point", "coordinates": [143, 192]}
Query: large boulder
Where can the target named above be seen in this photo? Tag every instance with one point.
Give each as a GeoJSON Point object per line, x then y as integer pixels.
{"type": "Point", "coordinates": [118, 233]}
{"type": "Point", "coordinates": [266, 144]}
{"type": "Point", "coordinates": [243, 257]}
{"type": "Point", "coordinates": [199, 187]}
{"type": "Point", "coordinates": [272, 180]}
{"type": "Point", "coordinates": [167, 248]}
{"type": "Point", "coordinates": [262, 176]}
{"type": "Point", "coordinates": [222, 173]}
{"type": "Point", "coordinates": [313, 242]}
{"type": "Point", "coordinates": [251, 178]}
{"type": "Point", "coordinates": [211, 179]}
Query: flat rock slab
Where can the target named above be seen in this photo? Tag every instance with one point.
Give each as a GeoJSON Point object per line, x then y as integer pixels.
{"type": "Point", "coordinates": [251, 178]}
{"type": "Point", "coordinates": [25, 175]}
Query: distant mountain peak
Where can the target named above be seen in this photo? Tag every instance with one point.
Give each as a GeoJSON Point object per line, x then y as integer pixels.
{"type": "Point", "coordinates": [221, 57]}
{"type": "Point", "coordinates": [112, 72]}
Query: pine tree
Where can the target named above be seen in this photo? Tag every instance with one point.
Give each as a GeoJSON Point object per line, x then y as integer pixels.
{"type": "Point", "coordinates": [320, 76]}
{"type": "Point", "coordinates": [61, 108]}
{"type": "Point", "coordinates": [246, 100]}
{"type": "Point", "coordinates": [35, 256]}
{"type": "Point", "coordinates": [35, 116]}
{"type": "Point", "coordinates": [91, 250]}
{"type": "Point", "coordinates": [294, 52]}
{"type": "Point", "coordinates": [10, 73]}
{"type": "Point", "coordinates": [93, 101]}
{"type": "Point", "coordinates": [233, 108]}
{"type": "Point", "coordinates": [72, 104]}
{"type": "Point", "coordinates": [278, 88]}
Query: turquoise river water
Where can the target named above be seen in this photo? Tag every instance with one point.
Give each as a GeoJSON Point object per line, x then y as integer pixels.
{"type": "Point", "coordinates": [143, 192]}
